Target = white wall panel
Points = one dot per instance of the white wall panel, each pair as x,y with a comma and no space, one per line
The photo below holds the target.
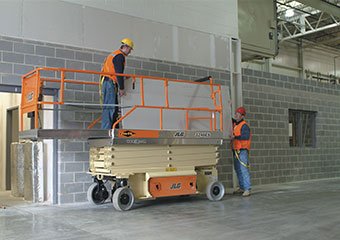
11,18
104,30
288,56
221,53
194,46
153,40
317,61
211,16
182,31
53,21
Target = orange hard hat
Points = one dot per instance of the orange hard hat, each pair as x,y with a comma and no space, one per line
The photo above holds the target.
241,110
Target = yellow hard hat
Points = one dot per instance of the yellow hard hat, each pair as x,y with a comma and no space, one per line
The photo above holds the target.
128,42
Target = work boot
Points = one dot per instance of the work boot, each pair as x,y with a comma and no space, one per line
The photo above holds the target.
246,193
238,191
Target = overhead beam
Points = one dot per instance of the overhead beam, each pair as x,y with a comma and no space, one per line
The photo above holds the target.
311,31
322,6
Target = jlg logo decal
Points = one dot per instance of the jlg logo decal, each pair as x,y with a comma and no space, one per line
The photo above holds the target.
175,186
179,134
128,133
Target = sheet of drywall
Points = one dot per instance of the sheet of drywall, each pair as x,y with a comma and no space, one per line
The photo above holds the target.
180,95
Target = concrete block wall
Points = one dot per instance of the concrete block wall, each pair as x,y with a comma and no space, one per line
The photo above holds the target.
268,97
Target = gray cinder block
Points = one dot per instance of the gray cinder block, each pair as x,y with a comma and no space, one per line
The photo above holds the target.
33,171
17,169
45,51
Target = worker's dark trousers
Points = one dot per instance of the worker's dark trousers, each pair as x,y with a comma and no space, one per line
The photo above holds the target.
109,94
241,165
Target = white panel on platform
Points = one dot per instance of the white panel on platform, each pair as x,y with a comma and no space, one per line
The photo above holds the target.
180,95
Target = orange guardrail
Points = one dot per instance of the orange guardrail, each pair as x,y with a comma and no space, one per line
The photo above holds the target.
33,83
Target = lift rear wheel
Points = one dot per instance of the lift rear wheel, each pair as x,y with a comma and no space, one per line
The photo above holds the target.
215,191
97,193
123,199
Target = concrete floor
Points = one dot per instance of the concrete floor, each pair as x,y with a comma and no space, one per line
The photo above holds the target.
294,211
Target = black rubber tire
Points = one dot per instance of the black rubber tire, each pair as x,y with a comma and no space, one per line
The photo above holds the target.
92,197
215,191
123,199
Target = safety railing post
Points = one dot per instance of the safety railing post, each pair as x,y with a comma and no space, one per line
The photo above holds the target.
211,88
36,118
142,90
161,119
186,120
21,107
36,99
221,107
62,87
166,92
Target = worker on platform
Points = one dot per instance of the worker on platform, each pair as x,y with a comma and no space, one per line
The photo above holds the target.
112,86
240,142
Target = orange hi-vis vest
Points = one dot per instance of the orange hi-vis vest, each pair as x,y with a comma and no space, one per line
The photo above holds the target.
108,65
237,143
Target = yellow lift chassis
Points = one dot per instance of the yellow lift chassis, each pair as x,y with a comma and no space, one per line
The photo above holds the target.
148,164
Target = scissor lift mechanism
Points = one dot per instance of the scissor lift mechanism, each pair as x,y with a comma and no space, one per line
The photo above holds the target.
138,164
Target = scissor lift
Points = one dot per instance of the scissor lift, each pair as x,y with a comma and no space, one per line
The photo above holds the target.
143,163
152,164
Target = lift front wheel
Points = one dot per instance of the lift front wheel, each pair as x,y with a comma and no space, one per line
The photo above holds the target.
215,191
123,199
97,193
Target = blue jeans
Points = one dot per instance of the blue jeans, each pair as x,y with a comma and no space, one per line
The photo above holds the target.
109,94
242,171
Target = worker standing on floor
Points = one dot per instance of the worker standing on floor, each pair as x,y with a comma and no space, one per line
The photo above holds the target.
111,85
240,142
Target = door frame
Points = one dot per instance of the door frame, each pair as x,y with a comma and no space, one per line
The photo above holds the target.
51,92
9,126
